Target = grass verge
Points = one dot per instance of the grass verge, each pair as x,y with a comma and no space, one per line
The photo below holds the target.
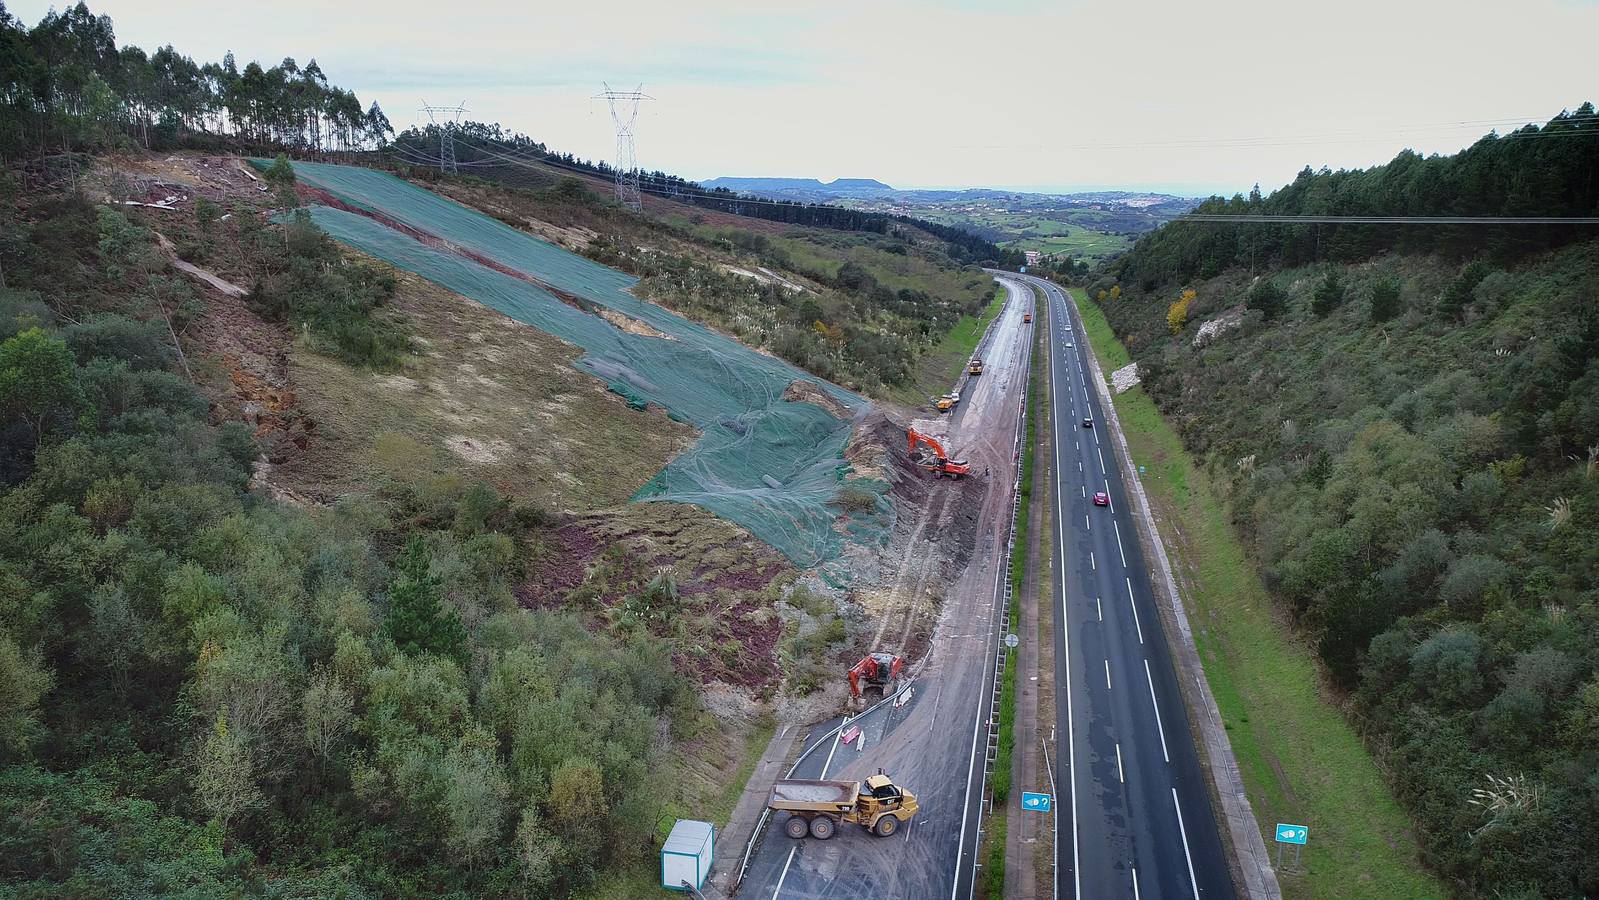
938,368
1301,760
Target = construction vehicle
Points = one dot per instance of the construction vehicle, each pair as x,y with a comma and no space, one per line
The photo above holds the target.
948,401
817,807
976,367
1027,318
930,455
875,670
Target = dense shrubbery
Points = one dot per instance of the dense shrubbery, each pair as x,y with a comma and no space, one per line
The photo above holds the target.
314,287
206,693
861,332
1412,449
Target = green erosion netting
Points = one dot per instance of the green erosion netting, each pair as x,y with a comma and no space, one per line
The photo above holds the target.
768,464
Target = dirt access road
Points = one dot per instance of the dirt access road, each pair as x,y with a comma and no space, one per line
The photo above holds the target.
935,744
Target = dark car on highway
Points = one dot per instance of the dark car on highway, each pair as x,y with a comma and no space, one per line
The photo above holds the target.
1088,423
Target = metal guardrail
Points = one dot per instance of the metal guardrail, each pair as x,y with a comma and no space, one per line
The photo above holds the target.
1000,661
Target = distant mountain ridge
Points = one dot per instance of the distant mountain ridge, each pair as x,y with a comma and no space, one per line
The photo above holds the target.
812,190
807,189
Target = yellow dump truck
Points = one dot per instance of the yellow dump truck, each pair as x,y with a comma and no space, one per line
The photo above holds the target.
948,401
816,807
976,367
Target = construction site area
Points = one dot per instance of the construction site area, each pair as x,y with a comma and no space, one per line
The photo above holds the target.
780,528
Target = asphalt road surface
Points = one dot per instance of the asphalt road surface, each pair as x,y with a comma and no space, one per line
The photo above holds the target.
1133,816
935,745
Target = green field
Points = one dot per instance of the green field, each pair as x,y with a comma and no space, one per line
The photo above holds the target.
1301,761
1035,231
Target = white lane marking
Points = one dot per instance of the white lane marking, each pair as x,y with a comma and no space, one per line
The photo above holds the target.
1084,489
1134,604
1119,542
1091,564
1086,525
1135,884
1101,454
1066,643
1079,466
1112,501
1120,774
1192,881
1158,727
1100,608
1107,674
834,748
781,878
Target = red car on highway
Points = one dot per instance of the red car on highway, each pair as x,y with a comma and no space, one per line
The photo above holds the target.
1101,498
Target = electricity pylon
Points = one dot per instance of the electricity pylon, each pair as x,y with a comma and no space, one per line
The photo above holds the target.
624,112
450,115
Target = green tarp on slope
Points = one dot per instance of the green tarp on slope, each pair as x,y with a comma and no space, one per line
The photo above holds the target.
751,436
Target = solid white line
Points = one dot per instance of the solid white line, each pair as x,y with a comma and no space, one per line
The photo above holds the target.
1134,604
1119,542
1107,674
839,734
784,876
1158,727
1112,507
1192,881
1135,884
1101,460
1121,775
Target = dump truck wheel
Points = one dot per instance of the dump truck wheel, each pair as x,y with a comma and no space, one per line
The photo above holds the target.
886,826
822,828
796,827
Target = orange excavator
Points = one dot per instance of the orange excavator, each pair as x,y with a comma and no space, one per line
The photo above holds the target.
933,458
875,670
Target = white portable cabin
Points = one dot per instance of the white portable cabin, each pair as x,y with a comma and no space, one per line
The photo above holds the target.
686,855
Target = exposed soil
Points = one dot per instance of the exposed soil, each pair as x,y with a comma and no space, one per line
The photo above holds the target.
725,626
933,538
803,391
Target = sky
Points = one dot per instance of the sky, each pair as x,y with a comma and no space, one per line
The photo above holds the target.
1190,98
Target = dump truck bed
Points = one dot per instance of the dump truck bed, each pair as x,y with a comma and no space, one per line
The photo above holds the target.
805,794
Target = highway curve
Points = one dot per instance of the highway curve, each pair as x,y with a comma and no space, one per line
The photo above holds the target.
1133,817
935,745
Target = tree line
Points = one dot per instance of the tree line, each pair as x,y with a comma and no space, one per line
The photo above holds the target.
66,86
490,151
1532,171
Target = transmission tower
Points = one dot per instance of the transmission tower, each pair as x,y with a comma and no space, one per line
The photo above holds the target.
624,112
445,118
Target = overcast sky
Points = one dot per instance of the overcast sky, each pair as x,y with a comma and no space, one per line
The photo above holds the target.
1185,96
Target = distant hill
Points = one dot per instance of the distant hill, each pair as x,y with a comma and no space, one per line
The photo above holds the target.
807,190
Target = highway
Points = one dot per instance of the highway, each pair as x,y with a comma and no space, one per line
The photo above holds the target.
1133,815
935,745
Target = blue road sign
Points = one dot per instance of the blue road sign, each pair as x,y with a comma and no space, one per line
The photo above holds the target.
1036,802
1292,834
